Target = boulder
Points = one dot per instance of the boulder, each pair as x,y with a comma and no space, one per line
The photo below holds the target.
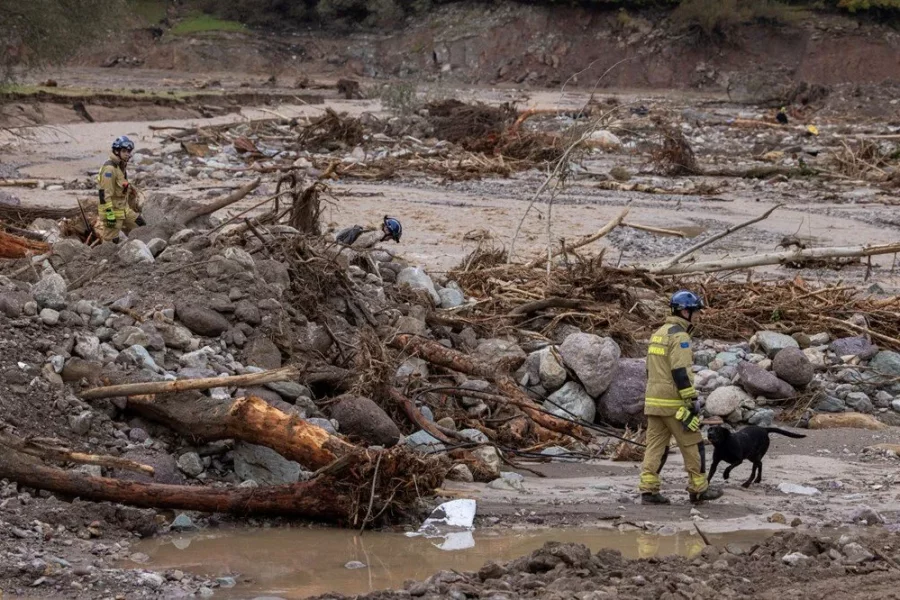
764,417
289,389
725,400
594,359
135,252
831,404
793,366
500,353
362,418
886,363
422,441
312,338
759,382
264,465
418,279
460,473
854,346
859,402
262,352
571,399
622,404
174,335
50,292
190,464
247,312
490,457
87,346
451,298
165,468
201,320
550,371
772,342
411,325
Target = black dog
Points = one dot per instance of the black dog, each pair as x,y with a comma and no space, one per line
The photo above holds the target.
750,443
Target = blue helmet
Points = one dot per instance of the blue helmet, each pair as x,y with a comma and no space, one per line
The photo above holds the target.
122,143
685,300
392,228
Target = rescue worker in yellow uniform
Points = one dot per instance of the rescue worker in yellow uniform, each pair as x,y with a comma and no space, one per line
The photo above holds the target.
117,210
669,404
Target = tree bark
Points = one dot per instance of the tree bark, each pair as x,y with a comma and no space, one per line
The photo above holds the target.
180,385
417,418
221,203
773,258
32,448
317,499
456,361
13,246
249,419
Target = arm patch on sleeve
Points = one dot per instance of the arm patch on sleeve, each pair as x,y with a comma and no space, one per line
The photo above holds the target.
685,344
108,174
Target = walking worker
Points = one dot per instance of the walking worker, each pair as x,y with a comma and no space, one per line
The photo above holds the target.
117,209
669,404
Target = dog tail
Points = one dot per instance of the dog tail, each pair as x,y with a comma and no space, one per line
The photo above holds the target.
789,434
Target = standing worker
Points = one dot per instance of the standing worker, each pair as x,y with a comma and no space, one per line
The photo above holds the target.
117,210
669,404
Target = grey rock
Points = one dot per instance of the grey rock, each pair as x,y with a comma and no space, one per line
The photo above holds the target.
198,359
490,457
500,353
867,515
165,467
622,404
451,298
571,399
49,316
508,481
201,320
226,582
819,339
290,390
772,342
312,338
323,424
883,399
136,434
247,312
361,417
704,357
561,454
50,292
460,473
12,304
77,369
155,340
70,249
139,357
859,402
174,335
275,273
794,558
30,308
854,346
855,554
886,363
831,404
156,246
417,279
595,360
130,336
727,358
81,423
182,523
759,382
264,465
426,412
190,464
261,352
134,252
551,372
896,405
355,564
151,580
793,366
422,441
411,325
176,254
474,435
725,400
763,417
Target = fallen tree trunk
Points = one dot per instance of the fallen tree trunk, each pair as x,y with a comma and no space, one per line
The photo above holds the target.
249,419
13,246
32,448
584,241
772,258
206,209
181,385
451,359
317,499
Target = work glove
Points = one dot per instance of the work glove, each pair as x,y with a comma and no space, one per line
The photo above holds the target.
140,221
110,216
688,418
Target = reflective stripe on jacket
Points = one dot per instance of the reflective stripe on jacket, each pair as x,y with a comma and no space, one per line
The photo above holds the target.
670,380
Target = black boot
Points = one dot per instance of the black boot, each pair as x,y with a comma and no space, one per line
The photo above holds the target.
654,498
709,494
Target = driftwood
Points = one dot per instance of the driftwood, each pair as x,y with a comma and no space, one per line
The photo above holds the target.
13,246
451,359
584,241
181,385
206,209
417,417
774,258
44,451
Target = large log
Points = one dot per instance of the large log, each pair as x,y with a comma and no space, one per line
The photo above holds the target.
206,209
249,419
318,498
13,246
451,359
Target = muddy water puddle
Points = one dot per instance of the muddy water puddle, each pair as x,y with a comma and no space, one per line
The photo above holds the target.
297,563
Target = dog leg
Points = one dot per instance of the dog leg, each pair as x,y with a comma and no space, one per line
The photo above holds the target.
712,469
727,472
747,483
759,472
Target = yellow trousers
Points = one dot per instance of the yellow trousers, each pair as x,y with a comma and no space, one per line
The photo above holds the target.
660,431
107,233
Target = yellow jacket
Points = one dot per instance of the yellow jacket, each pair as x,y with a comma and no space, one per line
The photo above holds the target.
670,380
116,193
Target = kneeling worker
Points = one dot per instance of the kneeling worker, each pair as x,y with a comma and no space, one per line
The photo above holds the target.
669,404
